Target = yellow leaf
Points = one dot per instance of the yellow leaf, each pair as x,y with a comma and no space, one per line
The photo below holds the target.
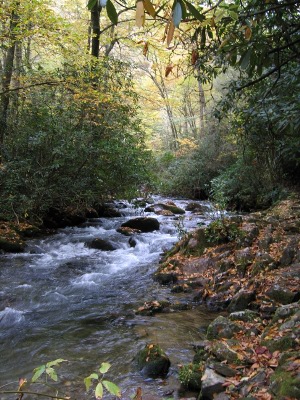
149,8
140,14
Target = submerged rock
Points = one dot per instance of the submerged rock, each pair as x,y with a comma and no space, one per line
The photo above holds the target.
101,244
153,362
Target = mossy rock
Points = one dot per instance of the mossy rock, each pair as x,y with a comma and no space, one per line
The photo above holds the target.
190,376
245,315
223,352
285,385
170,207
153,362
281,294
282,344
221,327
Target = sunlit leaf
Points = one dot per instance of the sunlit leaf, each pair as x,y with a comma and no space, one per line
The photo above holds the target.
233,15
149,8
104,368
55,362
112,388
177,14
140,14
111,12
99,391
38,372
88,380
52,373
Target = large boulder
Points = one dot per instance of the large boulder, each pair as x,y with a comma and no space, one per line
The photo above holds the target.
153,362
144,224
101,244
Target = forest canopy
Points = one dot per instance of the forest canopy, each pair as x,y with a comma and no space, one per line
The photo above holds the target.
89,91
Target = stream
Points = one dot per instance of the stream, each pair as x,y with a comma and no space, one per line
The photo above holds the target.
61,299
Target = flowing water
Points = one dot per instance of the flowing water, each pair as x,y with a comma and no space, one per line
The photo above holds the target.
61,299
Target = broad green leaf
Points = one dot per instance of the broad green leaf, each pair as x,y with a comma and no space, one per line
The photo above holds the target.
194,11
99,391
55,362
112,388
149,8
38,372
52,373
234,15
111,12
88,380
177,14
245,59
104,368
91,4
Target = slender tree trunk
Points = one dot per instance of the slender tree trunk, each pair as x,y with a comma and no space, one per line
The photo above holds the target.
202,105
164,94
95,22
7,78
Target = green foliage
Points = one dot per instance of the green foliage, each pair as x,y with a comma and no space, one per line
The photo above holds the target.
75,143
190,375
222,230
191,172
48,370
100,382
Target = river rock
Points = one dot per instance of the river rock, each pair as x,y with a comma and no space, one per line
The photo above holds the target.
212,383
101,244
153,362
144,224
220,328
128,231
246,316
281,294
241,300
171,207
132,242
197,208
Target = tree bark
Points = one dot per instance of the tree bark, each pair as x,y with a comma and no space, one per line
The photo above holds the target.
95,22
7,78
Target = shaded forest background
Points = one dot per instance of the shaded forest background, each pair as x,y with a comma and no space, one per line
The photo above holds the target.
182,98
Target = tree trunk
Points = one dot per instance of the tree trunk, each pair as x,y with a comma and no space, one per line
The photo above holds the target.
7,78
202,104
95,22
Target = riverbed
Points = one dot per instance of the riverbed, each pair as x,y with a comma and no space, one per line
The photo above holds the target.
62,299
